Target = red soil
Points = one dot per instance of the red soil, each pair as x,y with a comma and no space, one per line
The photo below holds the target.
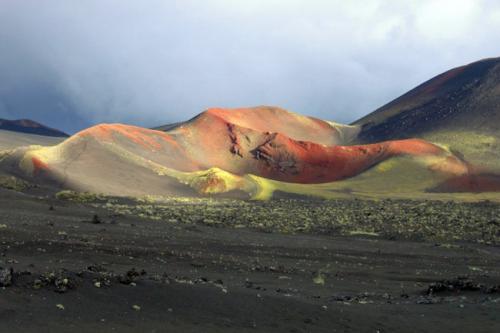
239,149
38,166
272,119
307,162
471,183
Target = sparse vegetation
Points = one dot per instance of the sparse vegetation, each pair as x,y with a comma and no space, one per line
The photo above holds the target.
436,221
79,196
476,147
14,183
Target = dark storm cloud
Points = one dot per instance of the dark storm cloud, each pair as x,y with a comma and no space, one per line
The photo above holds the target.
75,63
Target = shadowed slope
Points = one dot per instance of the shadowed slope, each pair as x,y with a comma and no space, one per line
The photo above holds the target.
464,98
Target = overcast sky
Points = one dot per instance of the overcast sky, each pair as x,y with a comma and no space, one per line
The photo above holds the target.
73,63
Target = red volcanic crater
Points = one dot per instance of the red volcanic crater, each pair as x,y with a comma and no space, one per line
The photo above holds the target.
307,162
265,141
277,144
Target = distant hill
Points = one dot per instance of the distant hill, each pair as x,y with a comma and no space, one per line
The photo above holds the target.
31,127
11,140
465,98
168,127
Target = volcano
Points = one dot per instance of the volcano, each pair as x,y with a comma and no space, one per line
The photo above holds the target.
220,150
440,137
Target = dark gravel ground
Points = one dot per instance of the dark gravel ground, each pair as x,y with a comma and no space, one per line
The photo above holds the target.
70,266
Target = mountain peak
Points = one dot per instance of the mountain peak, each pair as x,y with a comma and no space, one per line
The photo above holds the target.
465,97
31,127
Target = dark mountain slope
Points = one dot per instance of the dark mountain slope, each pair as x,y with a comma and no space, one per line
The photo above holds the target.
465,98
31,127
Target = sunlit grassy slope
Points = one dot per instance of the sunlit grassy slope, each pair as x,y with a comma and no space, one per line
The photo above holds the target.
479,148
401,177
396,178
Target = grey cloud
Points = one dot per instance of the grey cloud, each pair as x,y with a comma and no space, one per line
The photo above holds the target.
75,63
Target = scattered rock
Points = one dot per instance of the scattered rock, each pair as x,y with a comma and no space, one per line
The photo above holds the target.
6,277
96,268
60,282
459,284
96,219
427,300
38,284
319,279
131,276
